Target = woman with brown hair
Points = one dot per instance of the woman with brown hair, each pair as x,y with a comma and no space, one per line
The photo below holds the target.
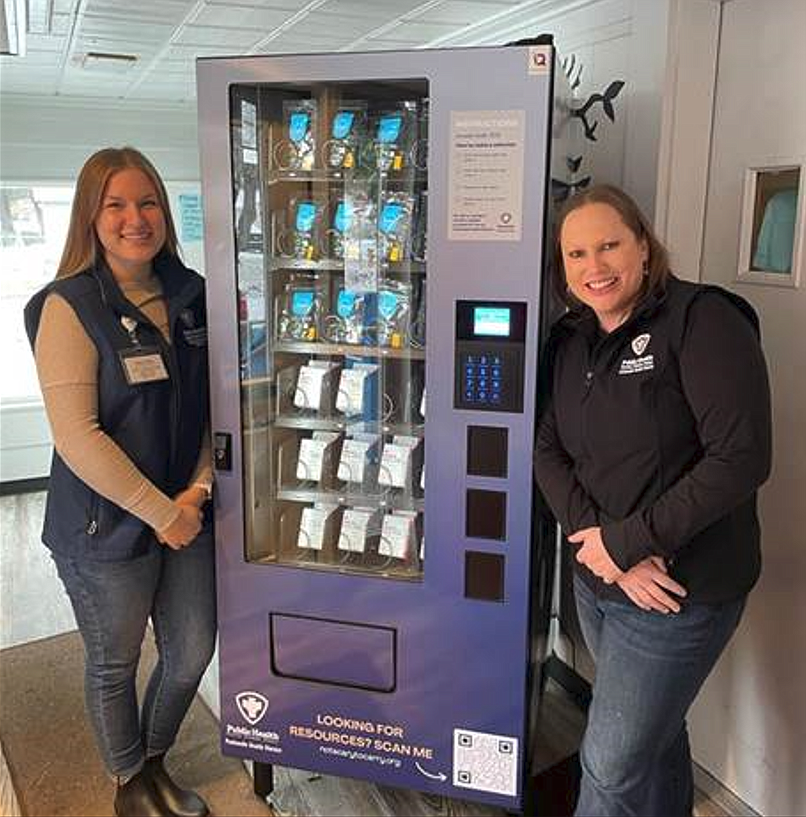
653,439
120,344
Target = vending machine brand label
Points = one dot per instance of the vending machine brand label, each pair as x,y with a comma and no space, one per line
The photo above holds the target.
252,706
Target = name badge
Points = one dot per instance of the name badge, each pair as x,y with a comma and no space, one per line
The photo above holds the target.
143,364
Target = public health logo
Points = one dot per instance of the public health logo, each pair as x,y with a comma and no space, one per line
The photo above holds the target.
252,706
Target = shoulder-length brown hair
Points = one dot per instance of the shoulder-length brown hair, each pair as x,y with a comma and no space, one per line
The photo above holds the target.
82,248
636,222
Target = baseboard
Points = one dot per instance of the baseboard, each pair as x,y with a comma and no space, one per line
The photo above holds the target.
23,486
721,796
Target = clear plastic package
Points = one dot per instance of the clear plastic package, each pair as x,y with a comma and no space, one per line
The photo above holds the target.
300,310
296,150
346,133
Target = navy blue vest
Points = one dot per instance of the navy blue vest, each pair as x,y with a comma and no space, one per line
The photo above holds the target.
158,425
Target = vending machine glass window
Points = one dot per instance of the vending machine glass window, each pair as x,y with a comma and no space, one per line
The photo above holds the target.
330,188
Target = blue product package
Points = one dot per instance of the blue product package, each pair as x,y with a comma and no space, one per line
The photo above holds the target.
387,303
342,124
389,128
343,217
302,302
298,125
345,303
391,214
306,213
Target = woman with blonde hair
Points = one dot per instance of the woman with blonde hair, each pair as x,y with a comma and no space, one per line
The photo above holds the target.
120,344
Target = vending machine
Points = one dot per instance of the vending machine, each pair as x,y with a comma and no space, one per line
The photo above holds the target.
375,233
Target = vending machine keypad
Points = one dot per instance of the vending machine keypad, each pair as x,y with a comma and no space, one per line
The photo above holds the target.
490,339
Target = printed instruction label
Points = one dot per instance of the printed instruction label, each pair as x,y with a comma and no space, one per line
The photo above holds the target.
485,762
486,175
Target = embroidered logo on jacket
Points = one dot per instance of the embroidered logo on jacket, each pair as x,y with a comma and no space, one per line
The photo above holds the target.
640,343
638,364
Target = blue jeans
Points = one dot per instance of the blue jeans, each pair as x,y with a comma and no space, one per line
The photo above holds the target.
635,753
112,602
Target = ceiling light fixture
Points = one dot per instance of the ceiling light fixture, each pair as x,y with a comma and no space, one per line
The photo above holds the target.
106,62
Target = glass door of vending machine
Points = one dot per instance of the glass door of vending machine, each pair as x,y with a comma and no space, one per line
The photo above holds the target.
374,243
330,201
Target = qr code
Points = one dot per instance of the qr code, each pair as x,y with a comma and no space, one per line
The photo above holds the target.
485,762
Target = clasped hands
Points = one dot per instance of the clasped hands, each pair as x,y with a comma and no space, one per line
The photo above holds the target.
185,528
645,584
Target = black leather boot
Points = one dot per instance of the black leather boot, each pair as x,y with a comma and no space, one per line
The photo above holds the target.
138,798
180,802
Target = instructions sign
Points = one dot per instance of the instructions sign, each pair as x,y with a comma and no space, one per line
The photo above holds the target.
486,175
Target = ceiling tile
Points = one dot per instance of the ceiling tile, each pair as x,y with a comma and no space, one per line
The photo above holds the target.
237,39
261,19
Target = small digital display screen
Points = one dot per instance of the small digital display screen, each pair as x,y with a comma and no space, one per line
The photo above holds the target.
492,321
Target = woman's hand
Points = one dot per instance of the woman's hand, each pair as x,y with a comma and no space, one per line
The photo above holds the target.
645,584
184,529
193,495
593,554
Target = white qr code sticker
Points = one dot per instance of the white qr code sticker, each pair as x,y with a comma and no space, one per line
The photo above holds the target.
485,762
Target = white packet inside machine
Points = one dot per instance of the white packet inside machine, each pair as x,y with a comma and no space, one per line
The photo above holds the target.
398,460
355,388
359,458
317,527
315,385
358,526
316,461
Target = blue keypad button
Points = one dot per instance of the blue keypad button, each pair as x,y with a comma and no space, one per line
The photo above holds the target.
470,370
482,382
484,371
482,396
496,371
496,385
469,393
496,398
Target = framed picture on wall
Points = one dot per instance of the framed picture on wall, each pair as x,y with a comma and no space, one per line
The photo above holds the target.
771,249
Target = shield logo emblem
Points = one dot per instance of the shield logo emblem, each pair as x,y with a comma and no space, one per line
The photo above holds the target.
252,706
640,343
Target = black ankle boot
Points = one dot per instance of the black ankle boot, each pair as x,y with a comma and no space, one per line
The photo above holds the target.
180,802
138,798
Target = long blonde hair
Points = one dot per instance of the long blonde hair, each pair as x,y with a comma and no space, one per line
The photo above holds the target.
82,248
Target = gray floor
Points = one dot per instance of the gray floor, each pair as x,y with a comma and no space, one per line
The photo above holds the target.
33,605
32,602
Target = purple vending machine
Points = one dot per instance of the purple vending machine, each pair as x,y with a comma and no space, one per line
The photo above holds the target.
375,253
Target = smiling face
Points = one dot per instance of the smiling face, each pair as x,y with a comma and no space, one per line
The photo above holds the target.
604,262
130,224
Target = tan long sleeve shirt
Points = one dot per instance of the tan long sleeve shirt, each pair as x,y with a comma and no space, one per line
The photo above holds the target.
67,365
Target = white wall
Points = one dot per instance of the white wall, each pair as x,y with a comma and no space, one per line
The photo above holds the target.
48,140
614,39
749,724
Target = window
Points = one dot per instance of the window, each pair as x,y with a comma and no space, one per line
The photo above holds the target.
34,227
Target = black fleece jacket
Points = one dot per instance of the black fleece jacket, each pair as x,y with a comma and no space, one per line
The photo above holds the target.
660,433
